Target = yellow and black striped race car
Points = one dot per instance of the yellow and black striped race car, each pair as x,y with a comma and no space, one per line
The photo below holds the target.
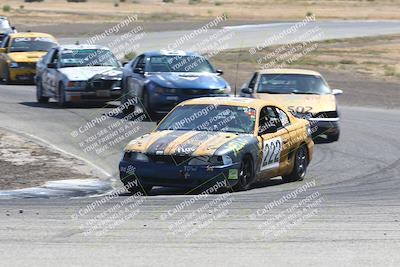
237,141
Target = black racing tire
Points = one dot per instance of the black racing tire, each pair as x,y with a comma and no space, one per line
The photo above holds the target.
300,165
246,174
146,105
62,103
333,137
130,108
39,93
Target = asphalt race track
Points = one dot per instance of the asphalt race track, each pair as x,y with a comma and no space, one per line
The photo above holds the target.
357,219
355,223
252,35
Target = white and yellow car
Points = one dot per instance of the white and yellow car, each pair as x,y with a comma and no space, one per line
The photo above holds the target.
305,93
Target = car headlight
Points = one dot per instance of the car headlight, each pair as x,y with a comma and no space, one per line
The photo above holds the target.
75,84
165,91
136,156
309,131
227,90
116,85
213,160
13,65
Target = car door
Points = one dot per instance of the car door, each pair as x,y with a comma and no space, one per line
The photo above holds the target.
275,142
296,131
135,80
41,67
50,75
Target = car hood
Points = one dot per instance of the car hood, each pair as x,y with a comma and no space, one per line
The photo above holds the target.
311,103
85,73
26,56
188,80
188,143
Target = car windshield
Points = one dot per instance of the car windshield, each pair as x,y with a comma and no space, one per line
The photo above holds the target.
30,44
292,84
4,25
87,57
216,118
178,64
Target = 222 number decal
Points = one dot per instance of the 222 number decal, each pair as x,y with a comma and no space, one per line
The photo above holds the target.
271,153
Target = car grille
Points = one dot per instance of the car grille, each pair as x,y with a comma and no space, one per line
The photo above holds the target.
104,84
169,159
27,65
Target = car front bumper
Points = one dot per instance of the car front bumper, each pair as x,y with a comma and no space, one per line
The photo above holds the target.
165,103
173,175
326,126
98,95
22,74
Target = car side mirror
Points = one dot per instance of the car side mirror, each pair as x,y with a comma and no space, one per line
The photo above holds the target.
247,90
2,50
138,71
337,91
52,65
219,72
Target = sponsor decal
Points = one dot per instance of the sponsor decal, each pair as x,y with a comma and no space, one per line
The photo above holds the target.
233,174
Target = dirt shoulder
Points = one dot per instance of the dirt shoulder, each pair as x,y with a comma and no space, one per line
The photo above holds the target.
60,12
24,163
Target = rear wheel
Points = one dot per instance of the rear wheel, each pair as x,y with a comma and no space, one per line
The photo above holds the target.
39,93
246,174
300,165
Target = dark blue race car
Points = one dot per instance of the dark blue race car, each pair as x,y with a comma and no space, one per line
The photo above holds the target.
158,81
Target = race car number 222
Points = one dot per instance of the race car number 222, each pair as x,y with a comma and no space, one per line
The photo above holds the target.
271,153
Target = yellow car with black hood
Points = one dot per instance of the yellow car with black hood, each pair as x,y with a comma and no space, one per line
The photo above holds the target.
233,140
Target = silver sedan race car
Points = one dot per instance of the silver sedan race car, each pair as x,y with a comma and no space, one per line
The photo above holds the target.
74,73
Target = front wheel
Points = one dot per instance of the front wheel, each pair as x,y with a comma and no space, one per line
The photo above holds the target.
246,174
6,76
300,165
39,93
61,97
146,108
128,109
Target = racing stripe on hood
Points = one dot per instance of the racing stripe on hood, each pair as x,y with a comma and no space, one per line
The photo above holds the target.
172,148
210,146
191,144
141,144
160,146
